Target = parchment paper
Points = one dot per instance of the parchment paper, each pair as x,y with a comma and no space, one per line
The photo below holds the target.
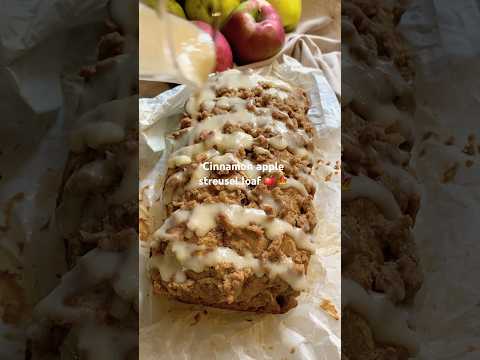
445,39
34,53
171,330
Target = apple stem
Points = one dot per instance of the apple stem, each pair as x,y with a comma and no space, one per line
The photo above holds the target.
216,15
257,15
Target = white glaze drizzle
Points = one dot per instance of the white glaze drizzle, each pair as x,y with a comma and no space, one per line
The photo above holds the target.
229,142
388,322
181,256
236,79
242,117
106,124
363,187
295,184
373,87
268,200
95,267
403,178
203,218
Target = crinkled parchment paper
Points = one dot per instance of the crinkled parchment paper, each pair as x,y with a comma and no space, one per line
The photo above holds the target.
34,53
172,330
446,41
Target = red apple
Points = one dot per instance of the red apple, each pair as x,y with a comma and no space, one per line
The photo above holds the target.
222,48
255,31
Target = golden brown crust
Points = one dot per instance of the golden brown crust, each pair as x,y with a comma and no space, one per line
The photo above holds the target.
224,287
379,254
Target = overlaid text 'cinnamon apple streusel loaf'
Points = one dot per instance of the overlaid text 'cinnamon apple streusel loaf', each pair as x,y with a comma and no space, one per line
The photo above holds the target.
238,198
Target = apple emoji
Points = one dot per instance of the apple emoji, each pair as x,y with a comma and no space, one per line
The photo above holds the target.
255,31
282,180
222,48
269,181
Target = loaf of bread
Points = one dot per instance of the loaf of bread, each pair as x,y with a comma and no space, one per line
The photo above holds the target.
238,198
380,197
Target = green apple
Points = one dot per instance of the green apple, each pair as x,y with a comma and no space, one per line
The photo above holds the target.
172,7
151,3
175,8
205,10
290,12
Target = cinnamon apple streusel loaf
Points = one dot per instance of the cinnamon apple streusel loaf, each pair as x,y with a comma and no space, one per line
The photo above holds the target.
238,198
381,271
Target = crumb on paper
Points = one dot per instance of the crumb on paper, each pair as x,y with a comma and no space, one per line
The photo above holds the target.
472,348
196,319
328,177
145,223
428,135
141,194
470,147
469,163
177,134
450,141
292,351
450,173
329,308
7,211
